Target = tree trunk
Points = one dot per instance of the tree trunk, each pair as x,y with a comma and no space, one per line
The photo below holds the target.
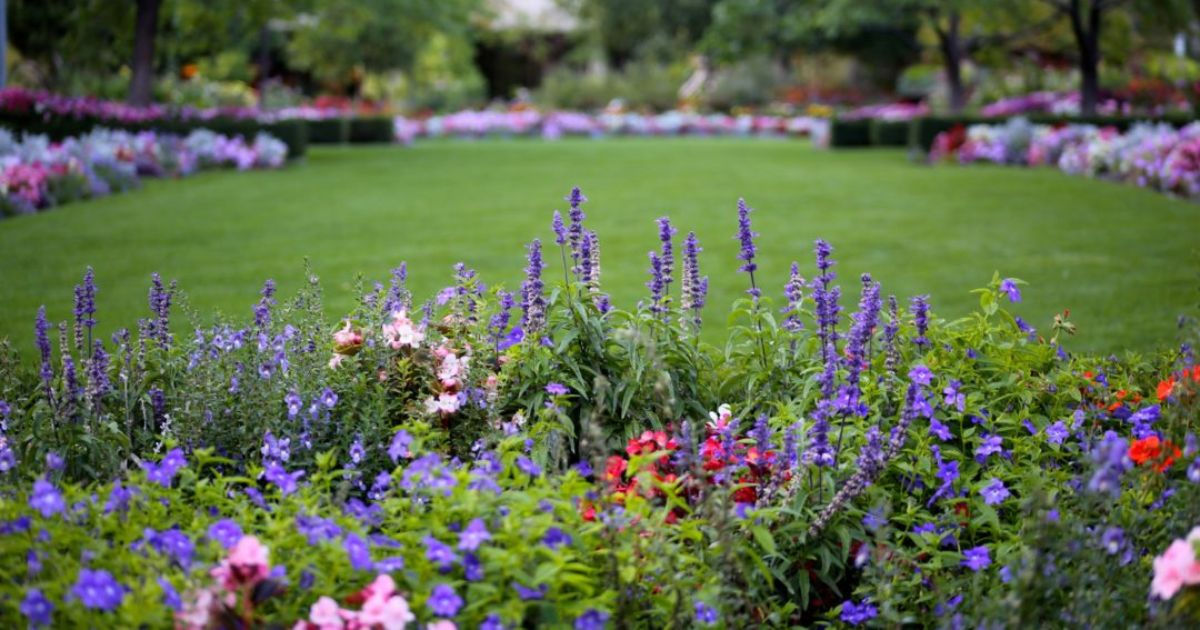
1087,39
952,56
145,29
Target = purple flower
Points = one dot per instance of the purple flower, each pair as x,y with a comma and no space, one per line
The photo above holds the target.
977,558
667,254
287,482
444,601
745,237
560,230
920,375
874,519
1193,471
439,553
530,594
170,598
1008,286
920,311
940,430
657,284
994,493
1112,540
39,610
706,615
694,290
858,614
41,328
575,232
555,538
557,389
226,532
329,398
317,529
46,499
475,534
955,398
528,467
1056,433
173,543
401,442
358,552
533,302
947,472
98,590
592,619
262,310
991,445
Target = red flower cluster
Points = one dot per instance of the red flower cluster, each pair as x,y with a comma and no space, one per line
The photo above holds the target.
1167,386
1154,452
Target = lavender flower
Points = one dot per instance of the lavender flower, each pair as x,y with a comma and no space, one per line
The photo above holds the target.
692,290
41,330
1009,287
890,351
1056,433
46,499
657,284
439,553
475,534
858,614
85,307
1112,540
287,482
533,303
706,615
358,552
990,445
667,254
941,431
793,291
560,230
98,383
401,443
499,321
160,306
575,232
591,619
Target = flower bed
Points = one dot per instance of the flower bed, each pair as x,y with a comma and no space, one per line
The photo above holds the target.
37,174
493,458
1160,156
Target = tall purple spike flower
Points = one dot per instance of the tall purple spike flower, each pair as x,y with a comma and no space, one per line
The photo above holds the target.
585,259
41,329
499,322
890,351
98,383
397,293
794,292
159,326
656,284
920,313
560,230
85,307
693,289
667,253
819,451
575,232
746,237
862,329
762,432
870,463
828,308
262,310
533,303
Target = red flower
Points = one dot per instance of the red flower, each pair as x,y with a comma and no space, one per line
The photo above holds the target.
1165,387
1151,449
615,469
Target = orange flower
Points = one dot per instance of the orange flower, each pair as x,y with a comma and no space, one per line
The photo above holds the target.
1150,449
1165,387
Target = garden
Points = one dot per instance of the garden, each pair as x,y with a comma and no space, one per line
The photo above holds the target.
387,314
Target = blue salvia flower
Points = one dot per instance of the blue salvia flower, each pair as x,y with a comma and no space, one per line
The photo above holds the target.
656,284
859,338
159,327
790,454
793,291
70,380
826,299
41,330
920,312
745,237
693,289
533,303
667,252
890,351
560,230
98,383
499,322
397,297
85,307
761,433
819,451
575,232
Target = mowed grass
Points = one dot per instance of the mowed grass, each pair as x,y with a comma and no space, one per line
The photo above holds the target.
1123,260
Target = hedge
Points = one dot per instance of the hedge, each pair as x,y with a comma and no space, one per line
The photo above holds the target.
293,133
850,133
889,133
372,129
329,131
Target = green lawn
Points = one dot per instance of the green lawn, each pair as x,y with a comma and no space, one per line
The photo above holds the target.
1123,260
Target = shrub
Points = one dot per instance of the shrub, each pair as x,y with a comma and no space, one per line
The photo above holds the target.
372,129
885,133
849,133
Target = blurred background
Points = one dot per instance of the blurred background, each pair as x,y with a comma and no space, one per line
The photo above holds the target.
781,56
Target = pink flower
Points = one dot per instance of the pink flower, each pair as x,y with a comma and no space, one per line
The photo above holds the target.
442,624
401,332
326,614
391,613
383,587
452,369
336,360
1175,568
446,403
347,340
200,606
247,564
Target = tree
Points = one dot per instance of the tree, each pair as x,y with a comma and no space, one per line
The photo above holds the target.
1087,18
145,30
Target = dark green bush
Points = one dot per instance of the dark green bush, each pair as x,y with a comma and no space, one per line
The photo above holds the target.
372,129
850,133
889,133
329,131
